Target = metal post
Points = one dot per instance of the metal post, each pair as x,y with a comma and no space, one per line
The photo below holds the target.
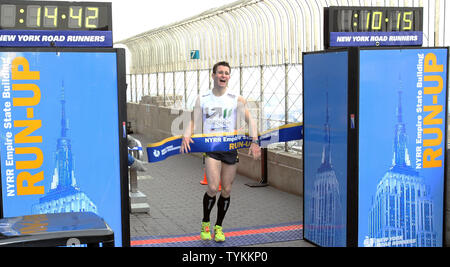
241,79
185,91
164,87
135,85
210,80
157,84
133,181
263,181
198,82
174,91
286,99
138,200
148,84
131,87
143,86
261,98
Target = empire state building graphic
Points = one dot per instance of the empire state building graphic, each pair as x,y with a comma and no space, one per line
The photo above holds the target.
64,194
326,212
401,214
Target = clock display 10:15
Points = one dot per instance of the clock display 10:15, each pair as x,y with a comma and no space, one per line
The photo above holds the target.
350,20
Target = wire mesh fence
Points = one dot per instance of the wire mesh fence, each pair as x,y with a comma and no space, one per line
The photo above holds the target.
273,93
263,40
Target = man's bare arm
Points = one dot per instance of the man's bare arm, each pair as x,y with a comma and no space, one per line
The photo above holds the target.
254,148
191,127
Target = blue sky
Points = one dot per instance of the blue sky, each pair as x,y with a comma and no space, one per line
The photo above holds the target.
132,17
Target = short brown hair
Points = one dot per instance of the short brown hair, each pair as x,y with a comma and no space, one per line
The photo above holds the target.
221,63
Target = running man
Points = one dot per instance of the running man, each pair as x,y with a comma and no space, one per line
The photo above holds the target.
218,111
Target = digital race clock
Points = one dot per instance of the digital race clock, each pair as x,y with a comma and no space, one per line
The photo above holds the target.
55,23
373,26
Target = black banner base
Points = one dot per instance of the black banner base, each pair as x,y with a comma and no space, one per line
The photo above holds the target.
258,184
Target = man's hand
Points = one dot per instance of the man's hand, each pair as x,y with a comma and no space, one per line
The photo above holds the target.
255,151
185,144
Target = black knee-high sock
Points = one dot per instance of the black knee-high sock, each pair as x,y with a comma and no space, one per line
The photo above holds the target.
222,207
208,204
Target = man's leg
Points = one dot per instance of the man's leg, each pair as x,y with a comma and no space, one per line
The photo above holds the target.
212,167
228,173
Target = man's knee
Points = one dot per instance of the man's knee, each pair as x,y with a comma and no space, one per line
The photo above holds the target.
212,190
213,186
226,190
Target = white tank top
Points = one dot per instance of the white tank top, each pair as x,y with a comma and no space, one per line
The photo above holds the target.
219,112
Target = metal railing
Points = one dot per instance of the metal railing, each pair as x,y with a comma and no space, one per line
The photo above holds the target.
274,93
262,40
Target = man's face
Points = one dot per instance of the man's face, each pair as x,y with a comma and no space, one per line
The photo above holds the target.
221,77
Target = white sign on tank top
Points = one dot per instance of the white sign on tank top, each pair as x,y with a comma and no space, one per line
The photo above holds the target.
219,112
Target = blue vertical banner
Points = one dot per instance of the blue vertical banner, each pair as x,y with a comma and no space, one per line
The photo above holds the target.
402,145
59,134
325,147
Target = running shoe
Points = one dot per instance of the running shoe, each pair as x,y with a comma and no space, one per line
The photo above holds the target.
205,234
219,236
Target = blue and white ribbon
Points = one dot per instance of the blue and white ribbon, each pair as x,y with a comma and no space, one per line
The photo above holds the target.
222,141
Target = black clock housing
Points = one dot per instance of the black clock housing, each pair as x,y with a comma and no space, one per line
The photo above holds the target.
55,15
366,26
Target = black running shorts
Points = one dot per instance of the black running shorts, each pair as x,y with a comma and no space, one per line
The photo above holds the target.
228,157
